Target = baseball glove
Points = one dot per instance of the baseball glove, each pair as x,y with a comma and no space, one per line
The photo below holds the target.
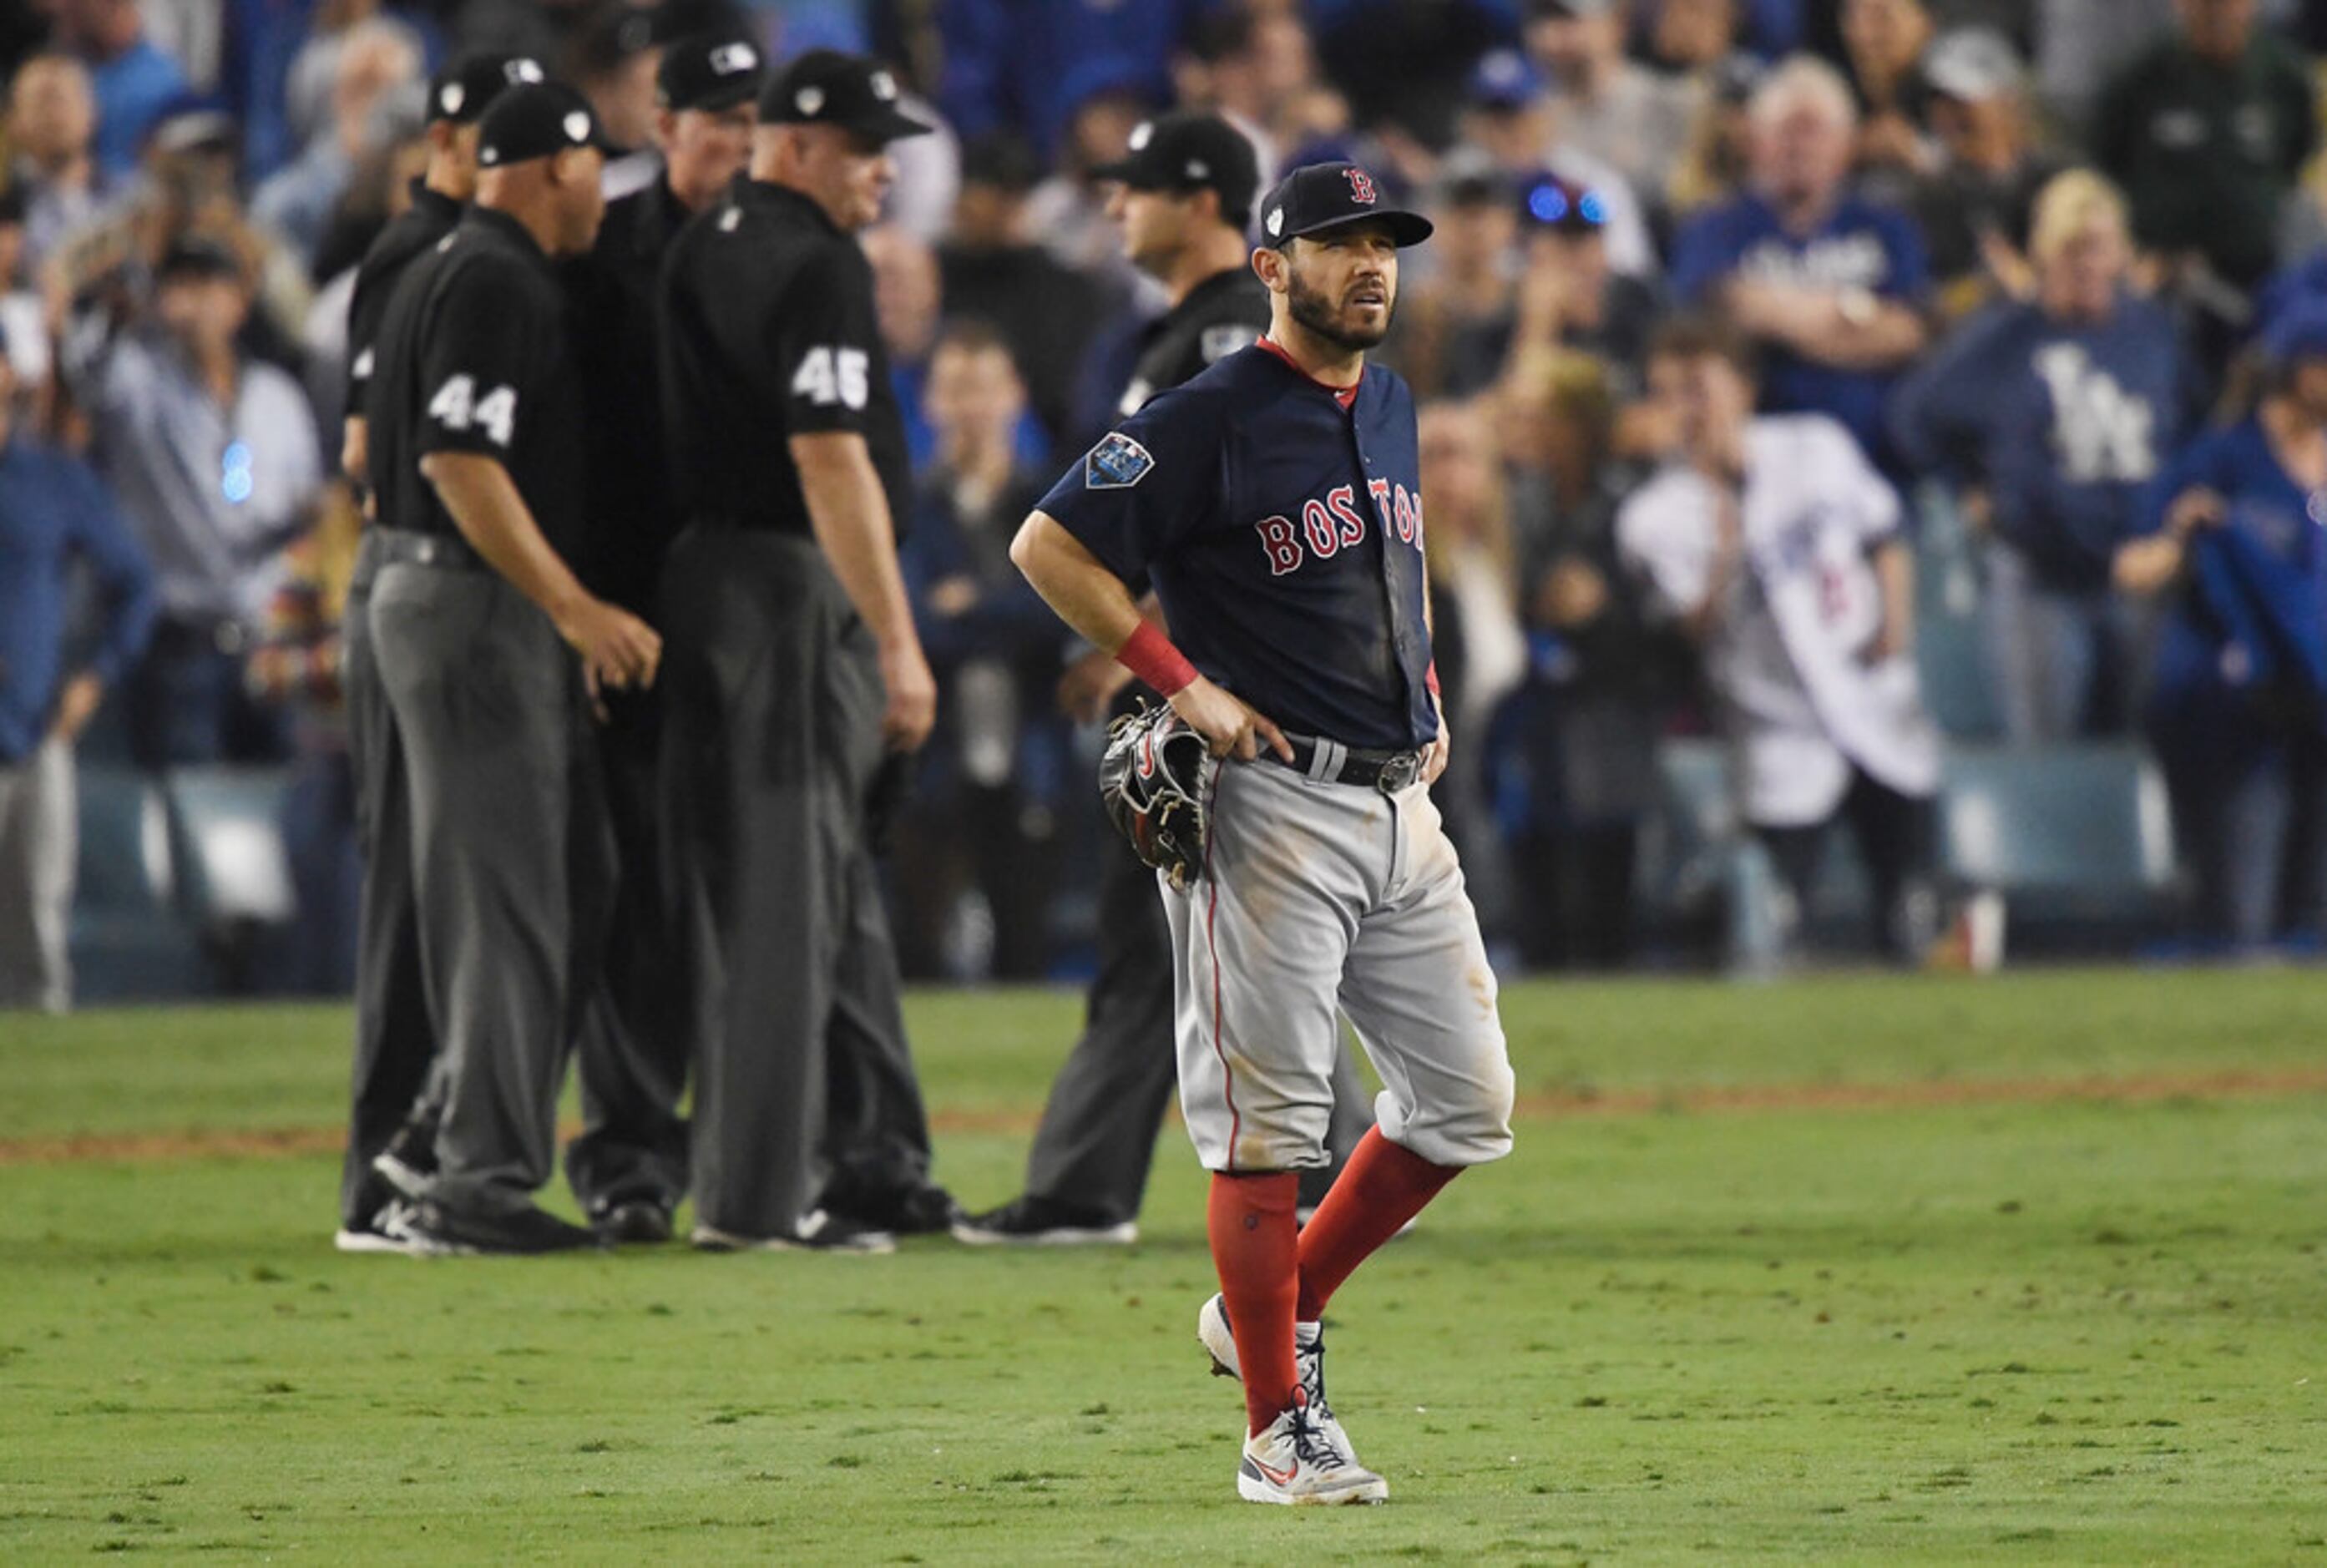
1156,777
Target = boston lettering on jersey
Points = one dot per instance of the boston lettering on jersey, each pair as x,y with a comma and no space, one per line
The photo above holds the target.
1282,533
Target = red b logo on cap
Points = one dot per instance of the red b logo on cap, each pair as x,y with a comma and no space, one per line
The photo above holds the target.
1361,186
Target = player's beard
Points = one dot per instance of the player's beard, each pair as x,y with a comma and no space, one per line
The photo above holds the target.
1320,316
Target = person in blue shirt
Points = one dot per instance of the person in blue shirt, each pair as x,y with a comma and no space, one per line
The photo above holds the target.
2050,417
52,512
1827,283
2238,700
1024,64
133,80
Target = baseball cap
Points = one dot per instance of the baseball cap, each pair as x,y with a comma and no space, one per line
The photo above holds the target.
195,255
1469,177
1504,79
537,119
1327,195
827,88
1191,151
467,86
1974,64
710,72
1548,201
2299,332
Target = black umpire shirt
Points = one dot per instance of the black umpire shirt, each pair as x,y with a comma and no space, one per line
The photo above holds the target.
1221,314
429,219
611,296
768,332
473,357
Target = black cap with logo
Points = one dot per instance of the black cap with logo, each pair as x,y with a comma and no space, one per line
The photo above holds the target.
1328,195
1191,151
710,72
827,88
465,89
537,120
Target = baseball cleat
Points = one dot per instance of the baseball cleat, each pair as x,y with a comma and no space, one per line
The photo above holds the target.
817,1232
1295,1461
1032,1221
1308,1365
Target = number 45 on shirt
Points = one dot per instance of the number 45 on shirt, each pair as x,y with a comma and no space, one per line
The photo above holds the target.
457,406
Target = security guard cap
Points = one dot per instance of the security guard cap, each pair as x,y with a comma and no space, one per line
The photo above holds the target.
827,88
466,87
1191,151
709,71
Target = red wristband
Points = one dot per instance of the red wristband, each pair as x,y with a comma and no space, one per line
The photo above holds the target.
1430,677
1148,654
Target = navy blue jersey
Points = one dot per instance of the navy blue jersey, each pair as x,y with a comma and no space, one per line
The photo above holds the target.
1282,534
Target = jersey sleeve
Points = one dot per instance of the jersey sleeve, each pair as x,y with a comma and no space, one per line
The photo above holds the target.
1149,483
1852,482
480,367
1663,549
822,339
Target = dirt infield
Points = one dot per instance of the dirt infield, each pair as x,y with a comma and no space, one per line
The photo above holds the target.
154,1148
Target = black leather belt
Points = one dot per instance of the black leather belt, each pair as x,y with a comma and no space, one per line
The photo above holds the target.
407,547
1332,762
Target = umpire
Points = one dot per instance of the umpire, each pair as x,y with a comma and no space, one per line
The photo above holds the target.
628,1167
795,682
396,1046
1182,201
476,423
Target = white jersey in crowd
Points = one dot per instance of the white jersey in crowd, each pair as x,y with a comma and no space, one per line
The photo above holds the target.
1788,659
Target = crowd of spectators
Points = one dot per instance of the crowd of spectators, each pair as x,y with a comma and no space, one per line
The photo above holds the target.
2059,267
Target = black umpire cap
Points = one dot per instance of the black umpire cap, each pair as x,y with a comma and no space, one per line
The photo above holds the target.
466,87
1191,151
709,71
827,88
1328,195
537,120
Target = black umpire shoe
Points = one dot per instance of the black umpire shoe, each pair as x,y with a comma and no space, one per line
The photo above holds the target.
927,1210
408,1163
1032,1221
523,1232
820,1232
632,1222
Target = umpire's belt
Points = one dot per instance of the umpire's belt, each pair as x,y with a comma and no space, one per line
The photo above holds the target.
1332,762
409,547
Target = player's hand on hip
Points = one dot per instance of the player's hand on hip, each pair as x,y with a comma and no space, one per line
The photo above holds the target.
1441,750
617,649
912,706
1228,723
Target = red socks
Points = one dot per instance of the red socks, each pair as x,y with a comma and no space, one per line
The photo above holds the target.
1255,1246
1381,1188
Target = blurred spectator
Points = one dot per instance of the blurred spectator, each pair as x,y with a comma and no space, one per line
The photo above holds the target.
132,80
1026,64
1883,42
1569,297
910,300
311,88
1712,168
52,140
1687,37
2050,416
1610,108
215,458
2238,704
1252,65
2081,44
986,815
53,512
1069,209
2207,131
296,666
1575,765
991,270
1974,204
1829,283
1512,117
612,62
1776,548
375,70
24,314
1454,323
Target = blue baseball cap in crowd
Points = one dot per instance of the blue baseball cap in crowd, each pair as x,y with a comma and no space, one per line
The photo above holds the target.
1505,80
2298,332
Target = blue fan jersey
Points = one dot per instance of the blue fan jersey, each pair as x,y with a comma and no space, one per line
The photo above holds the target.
1282,534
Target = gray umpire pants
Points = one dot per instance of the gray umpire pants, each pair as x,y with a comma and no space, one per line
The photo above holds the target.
772,701
509,855
1097,1139
40,845
396,1043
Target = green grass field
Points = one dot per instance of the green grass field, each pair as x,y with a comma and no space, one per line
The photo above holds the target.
1827,1273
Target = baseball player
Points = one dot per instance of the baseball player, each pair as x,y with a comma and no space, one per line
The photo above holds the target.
1775,546
478,615
1183,203
1275,503
396,1045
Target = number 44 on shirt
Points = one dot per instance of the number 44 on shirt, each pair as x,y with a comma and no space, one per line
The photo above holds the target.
457,406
